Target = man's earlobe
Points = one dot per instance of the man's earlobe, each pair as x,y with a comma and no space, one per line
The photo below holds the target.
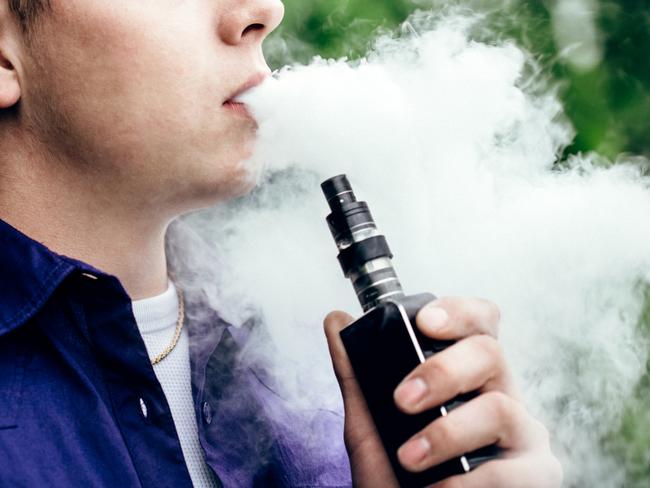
9,84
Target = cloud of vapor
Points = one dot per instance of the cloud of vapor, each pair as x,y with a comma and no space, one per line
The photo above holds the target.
453,143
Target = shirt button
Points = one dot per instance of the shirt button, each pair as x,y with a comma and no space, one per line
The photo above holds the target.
143,408
207,413
89,276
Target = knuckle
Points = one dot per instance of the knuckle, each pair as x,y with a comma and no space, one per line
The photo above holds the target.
532,432
437,369
541,433
501,405
443,433
515,423
490,346
491,317
494,312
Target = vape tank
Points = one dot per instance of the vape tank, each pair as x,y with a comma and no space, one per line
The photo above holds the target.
384,345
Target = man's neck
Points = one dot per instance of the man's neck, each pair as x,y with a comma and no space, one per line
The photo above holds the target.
81,220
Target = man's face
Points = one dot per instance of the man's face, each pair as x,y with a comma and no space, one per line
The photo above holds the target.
134,92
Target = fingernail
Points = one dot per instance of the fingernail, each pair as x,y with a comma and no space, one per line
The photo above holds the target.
433,318
410,393
414,451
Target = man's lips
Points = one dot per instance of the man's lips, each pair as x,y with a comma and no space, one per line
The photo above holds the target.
252,82
238,108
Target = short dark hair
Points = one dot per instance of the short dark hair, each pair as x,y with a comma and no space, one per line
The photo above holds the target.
28,10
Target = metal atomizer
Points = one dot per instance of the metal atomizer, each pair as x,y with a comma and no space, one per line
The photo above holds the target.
384,345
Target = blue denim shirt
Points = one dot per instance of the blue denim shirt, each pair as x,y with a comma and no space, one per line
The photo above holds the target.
74,373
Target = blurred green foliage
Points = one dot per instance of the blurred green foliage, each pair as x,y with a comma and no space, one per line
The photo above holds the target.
607,101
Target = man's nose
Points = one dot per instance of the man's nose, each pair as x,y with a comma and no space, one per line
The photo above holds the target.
250,21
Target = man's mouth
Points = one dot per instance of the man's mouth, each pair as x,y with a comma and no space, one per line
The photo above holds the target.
234,105
238,108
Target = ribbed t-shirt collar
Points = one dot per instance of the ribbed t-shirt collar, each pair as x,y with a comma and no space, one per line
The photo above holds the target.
157,313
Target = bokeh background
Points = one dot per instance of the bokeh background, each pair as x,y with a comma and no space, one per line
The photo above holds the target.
598,49
597,53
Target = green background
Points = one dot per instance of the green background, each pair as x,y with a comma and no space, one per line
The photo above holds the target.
608,103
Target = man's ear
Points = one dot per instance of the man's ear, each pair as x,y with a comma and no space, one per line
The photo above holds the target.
10,91
9,84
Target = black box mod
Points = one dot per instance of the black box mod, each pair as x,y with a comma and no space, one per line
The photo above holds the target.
384,345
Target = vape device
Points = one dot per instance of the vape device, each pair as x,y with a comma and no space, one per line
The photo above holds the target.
384,345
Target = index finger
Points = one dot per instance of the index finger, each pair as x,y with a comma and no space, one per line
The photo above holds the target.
452,318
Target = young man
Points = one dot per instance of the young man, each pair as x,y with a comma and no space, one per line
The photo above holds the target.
116,117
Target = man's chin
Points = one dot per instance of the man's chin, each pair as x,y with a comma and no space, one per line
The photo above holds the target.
245,187
234,186
253,170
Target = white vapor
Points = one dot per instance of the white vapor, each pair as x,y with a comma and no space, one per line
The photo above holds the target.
452,143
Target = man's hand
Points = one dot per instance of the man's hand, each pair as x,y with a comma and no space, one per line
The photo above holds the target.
496,416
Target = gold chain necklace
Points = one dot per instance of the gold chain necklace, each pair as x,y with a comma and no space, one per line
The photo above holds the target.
177,334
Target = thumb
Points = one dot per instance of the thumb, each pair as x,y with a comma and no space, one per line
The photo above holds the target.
371,462
352,396
334,323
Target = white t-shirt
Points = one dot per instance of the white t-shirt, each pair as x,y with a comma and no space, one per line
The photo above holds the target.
157,318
